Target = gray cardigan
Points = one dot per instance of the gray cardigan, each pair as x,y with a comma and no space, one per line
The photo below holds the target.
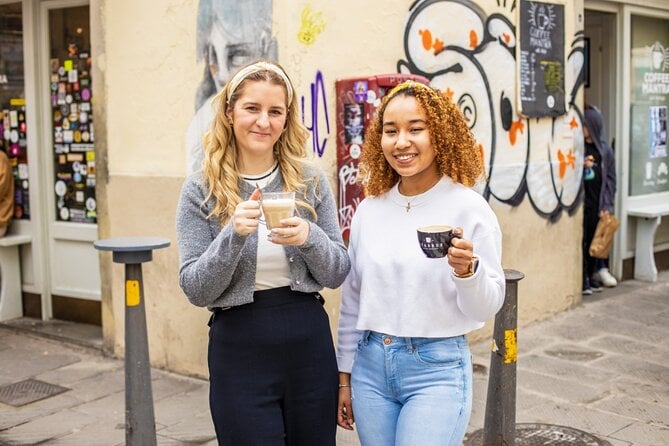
218,266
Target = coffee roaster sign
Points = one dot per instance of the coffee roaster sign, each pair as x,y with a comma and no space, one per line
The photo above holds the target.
541,59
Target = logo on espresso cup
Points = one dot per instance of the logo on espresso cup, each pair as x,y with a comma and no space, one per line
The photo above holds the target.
435,240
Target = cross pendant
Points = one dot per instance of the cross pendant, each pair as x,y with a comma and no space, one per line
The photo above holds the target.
408,206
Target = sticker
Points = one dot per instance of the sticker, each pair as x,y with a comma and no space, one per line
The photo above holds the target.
57,116
86,94
72,157
85,136
64,213
68,136
13,118
68,99
54,85
72,76
550,101
91,204
55,63
77,136
355,151
61,71
62,159
79,195
65,124
83,117
85,106
360,91
132,293
77,178
60,188
24,184
67,65
510,346
14,136
23,171
353,128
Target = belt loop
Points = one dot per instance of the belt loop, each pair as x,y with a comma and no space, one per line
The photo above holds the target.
409,344
365,337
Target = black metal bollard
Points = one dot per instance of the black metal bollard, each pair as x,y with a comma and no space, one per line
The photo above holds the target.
140,424
500,411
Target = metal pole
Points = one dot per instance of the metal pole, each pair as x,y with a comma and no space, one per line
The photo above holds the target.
140,428
500,411
140,424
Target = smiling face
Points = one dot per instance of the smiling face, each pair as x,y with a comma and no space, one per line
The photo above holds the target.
258,118
407,145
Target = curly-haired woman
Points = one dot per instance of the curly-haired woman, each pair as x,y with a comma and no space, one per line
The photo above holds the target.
272,366
405,368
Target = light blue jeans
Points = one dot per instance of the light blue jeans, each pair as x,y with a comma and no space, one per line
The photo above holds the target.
411,391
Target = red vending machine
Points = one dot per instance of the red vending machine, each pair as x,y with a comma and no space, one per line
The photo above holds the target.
357,101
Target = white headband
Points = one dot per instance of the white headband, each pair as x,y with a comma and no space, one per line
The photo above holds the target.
259,66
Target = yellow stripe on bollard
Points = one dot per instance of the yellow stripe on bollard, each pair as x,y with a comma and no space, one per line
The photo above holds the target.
132,293
510,347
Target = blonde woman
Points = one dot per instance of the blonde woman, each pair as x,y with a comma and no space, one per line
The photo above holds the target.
405,366
273,372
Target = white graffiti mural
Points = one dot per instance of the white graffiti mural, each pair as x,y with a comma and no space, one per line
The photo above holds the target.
230,34
472,59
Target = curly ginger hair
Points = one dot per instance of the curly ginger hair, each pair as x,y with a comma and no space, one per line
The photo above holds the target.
457,153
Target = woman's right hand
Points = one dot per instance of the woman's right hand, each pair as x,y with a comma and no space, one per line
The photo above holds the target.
245,218
344,407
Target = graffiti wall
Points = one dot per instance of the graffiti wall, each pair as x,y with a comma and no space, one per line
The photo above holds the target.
474,62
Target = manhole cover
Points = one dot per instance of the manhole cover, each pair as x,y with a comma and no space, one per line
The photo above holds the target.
534,434
28,391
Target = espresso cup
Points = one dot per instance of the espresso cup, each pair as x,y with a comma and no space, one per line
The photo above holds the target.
435,240
277,206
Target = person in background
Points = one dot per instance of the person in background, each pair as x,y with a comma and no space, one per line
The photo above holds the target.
599,183
6,193
405,370
272,364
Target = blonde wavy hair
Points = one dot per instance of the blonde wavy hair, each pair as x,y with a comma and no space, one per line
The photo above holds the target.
457,153
219,167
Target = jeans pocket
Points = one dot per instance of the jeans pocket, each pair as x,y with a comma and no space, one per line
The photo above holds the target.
439,354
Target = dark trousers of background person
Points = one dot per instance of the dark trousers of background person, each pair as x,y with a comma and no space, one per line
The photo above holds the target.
273,372
590,220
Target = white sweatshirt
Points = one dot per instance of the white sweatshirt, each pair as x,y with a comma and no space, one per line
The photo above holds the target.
393,288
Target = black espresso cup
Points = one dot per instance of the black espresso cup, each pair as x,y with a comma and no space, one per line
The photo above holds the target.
435,240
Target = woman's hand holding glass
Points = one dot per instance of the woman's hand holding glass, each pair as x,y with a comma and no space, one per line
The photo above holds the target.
245,218
294,231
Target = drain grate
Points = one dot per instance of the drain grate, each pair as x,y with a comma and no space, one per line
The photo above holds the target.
28,391
535,434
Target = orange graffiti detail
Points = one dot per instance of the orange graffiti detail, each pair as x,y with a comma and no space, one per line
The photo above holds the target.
449,93
573,124
506,37
516,126
429,44
438,46
427,38
568,160
473,39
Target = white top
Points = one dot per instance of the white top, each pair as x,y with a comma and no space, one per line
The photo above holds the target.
393,288
272,269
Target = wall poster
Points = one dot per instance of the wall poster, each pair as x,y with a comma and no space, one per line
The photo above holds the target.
541,67
649,160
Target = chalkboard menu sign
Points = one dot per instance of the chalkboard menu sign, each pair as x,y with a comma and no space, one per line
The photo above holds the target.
541,61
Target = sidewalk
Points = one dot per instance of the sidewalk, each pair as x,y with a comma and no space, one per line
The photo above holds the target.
601,368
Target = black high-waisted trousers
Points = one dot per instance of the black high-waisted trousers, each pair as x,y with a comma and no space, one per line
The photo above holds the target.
273,372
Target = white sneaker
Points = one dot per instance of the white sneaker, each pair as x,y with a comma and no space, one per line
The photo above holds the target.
605,277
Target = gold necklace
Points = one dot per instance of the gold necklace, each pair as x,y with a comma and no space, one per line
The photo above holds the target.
408,205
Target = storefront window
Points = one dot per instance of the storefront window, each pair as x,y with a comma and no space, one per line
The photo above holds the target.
13,125
649,161
72,115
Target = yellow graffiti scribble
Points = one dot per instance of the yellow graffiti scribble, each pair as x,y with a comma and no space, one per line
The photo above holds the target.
312,25
510,347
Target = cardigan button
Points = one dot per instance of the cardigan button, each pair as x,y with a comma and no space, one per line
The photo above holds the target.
290,259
